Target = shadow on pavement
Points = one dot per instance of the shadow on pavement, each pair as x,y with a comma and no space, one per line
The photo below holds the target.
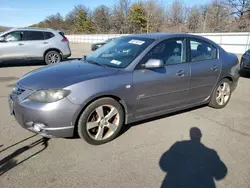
23,63
128,126
191,164
10,162
17,143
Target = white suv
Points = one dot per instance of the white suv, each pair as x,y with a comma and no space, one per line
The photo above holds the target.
33,43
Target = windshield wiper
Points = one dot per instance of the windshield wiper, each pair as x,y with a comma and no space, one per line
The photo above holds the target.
96,63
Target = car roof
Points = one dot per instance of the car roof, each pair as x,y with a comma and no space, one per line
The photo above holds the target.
35,29
162,36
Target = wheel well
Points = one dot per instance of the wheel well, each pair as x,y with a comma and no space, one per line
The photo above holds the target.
100,97
52,49
229,78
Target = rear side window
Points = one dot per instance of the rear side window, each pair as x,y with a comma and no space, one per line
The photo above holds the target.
34,35
201,51
61,33
48,35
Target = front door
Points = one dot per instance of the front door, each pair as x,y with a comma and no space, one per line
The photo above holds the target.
205,69
13,47
162,88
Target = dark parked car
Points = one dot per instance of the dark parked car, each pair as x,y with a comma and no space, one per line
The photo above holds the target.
95,46
245,61
129,79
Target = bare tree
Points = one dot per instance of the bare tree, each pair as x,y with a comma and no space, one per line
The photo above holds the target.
120,16
151,16
217,17
193,19
154,15
238,7
54,21
101,19
176,15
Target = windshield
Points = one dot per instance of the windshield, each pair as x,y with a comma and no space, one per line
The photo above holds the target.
5,31
119,53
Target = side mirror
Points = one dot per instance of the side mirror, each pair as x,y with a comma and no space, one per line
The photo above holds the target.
154,63
2,39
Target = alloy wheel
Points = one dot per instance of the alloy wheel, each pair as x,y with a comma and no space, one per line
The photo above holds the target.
223,93
103,122
53,58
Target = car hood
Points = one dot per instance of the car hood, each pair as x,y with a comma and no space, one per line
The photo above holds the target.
63,74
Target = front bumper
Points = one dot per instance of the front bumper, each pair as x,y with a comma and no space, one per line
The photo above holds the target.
53,119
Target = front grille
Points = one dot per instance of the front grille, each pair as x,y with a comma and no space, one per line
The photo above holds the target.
17,90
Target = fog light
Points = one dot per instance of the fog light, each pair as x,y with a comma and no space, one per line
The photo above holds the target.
38,126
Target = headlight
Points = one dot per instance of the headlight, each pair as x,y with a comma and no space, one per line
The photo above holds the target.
48,96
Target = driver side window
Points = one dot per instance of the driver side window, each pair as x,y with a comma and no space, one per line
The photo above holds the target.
170,51
14,36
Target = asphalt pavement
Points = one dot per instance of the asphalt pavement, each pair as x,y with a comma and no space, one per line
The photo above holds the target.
144,155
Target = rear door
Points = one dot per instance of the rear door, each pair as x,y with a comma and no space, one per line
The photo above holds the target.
205,69
13,47
35,44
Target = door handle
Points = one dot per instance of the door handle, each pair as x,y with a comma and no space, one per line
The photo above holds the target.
21,44
45,43
214,68
180,73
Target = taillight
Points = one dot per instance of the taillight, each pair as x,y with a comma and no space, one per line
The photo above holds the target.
65,40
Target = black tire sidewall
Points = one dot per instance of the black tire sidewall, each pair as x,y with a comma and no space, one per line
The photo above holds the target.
82,131
213,103
47,54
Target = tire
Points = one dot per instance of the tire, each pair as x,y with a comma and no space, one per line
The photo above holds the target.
52,57
218,104
90,116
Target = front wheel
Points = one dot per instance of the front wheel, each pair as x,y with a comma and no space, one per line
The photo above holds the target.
101,121
221,95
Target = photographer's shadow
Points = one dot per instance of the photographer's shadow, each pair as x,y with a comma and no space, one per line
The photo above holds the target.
190,164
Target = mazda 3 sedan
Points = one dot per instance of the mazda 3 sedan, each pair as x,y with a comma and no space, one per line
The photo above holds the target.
129,79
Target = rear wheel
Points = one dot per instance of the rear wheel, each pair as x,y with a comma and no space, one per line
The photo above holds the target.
52,57
101,121
221,95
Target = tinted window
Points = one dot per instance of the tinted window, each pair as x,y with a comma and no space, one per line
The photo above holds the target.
121,52
48,35
171,51
34,35
201,51
14,36
61,33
